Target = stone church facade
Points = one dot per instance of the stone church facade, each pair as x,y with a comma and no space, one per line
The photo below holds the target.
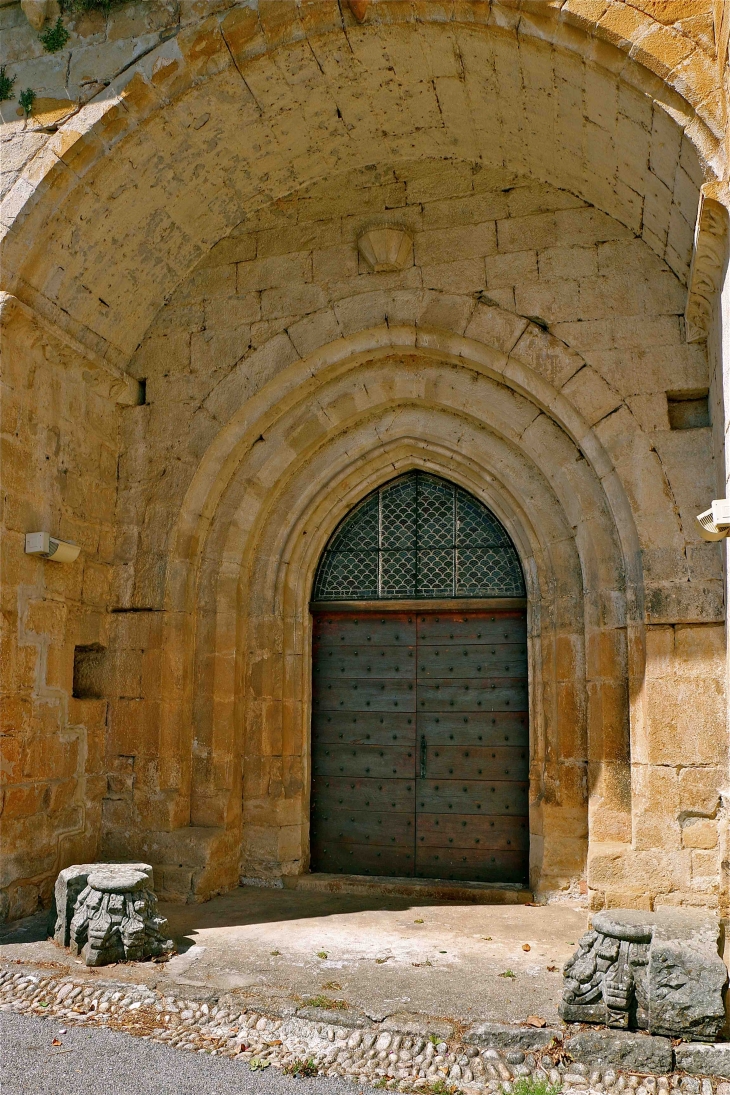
211,360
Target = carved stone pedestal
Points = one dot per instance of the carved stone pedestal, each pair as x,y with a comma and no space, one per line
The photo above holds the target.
108,913
658,971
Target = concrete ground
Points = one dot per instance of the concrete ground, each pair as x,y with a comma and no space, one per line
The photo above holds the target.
376,954
104,1060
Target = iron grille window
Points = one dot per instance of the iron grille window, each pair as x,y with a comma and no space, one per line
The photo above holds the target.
419,537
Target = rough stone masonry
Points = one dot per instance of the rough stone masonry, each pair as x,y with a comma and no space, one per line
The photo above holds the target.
205,373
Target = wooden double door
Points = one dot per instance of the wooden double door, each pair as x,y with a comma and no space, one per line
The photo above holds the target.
420,744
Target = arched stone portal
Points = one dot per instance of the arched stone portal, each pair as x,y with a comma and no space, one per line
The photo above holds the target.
191,235
265,501
420,721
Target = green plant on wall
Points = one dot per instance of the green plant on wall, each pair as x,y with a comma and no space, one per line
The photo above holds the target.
26,100
54,38
6,85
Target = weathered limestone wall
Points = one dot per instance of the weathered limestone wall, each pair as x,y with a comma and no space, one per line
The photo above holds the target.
547,159
59,474
290,280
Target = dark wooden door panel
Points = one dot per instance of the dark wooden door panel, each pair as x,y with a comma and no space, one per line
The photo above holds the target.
365,629
497,694
372,695
365,661
463,796
474,866
444,830
475,728
470,762
475,660
381,762
332,792
506,627
364,859
399,694
363,728
344,826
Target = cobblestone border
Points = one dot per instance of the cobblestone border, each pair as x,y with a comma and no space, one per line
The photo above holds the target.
368,1055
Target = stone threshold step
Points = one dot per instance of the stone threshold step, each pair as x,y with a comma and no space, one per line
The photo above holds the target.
472,893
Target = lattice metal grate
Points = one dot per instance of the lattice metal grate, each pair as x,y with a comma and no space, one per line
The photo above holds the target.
419,537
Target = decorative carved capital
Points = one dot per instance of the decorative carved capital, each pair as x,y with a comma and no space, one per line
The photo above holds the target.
115,916
386,248
657,971
708,264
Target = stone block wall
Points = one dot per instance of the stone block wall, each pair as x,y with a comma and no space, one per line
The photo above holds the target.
59,474
182,208
289,280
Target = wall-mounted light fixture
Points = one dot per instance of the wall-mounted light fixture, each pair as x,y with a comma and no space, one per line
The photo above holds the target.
50,547
714,523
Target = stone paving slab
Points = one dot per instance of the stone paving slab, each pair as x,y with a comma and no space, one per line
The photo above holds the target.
384,990
387,955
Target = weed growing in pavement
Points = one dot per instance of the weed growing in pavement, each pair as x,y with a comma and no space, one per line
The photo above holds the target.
440,1087
257,1065
298,1068
508,973
327,1002
528,1085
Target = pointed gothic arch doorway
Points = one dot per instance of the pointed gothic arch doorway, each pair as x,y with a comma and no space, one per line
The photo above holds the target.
420,731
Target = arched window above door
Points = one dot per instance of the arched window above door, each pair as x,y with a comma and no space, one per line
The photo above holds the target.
419,537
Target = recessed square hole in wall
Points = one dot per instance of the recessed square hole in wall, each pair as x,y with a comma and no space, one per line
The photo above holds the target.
89,672
688,410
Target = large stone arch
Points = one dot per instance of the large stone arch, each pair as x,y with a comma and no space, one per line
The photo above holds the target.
129,162
650,138
247,541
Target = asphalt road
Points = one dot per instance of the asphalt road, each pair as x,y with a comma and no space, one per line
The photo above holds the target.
104,1061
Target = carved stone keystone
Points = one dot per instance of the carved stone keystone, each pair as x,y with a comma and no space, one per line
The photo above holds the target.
386,249
108,913
657,971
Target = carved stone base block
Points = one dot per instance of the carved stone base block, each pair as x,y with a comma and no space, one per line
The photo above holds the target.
108,913
658,971
69,884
